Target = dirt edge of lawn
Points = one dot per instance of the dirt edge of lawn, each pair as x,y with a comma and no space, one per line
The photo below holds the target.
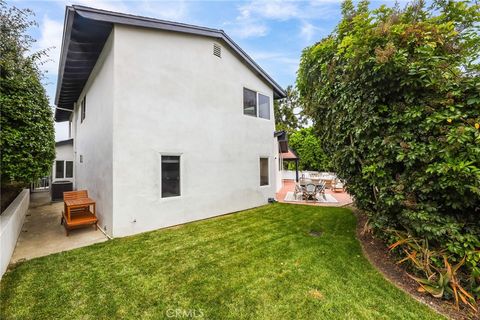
377,253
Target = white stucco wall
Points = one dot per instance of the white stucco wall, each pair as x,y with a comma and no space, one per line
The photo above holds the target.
63,153
173,96
11,222
93,137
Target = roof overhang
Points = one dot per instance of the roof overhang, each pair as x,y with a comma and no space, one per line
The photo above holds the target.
290,155
85,32
282,141
64,142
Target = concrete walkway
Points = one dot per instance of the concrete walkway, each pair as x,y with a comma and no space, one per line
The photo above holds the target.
42,234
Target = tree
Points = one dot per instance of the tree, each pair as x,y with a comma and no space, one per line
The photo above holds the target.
27,141
395,99
288,112
307,146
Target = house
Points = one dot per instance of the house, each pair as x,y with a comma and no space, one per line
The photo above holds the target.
64,158
170,122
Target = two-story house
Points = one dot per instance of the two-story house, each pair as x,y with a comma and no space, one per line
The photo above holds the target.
170,122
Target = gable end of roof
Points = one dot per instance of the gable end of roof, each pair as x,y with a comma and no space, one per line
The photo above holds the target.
86,31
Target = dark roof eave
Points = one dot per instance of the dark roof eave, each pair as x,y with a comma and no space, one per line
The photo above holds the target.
64,142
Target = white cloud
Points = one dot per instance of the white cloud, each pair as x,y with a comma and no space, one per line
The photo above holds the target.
118,6
276,60
254,16
275,10
308,31
51,32
167,10
249,30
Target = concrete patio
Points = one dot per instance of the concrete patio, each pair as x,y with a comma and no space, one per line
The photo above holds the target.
42,234
288,185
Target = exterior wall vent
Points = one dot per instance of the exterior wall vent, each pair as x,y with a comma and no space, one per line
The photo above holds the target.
217,50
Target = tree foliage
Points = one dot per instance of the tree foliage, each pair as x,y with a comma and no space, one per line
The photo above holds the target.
307,146
289,112
27,139
395,98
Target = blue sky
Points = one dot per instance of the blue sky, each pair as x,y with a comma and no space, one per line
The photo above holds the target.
273,33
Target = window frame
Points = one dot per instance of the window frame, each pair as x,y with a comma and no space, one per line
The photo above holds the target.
83,109
63,169
65,166
181,170
257,104
260,171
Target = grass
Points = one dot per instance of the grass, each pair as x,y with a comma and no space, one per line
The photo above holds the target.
255,264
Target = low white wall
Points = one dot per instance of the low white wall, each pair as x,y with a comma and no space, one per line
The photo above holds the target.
289,174
11,222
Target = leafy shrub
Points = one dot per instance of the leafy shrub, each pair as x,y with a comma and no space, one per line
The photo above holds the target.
27,141
395,98
288,112
307,146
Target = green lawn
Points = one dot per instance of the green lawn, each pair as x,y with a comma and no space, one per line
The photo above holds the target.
255,264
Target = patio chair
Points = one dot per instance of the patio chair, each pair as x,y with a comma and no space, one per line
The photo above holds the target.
320,190
309,192
338,186
298,191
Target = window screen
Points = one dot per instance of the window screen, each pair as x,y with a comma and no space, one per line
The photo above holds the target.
263,171
59,169
263,106
68,169
249,102
170,176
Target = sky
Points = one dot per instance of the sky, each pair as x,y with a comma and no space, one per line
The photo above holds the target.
273,33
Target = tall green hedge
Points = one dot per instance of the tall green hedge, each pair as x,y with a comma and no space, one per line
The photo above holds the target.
395,98
27,140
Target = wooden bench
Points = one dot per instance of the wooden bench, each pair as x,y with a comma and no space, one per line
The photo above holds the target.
77,213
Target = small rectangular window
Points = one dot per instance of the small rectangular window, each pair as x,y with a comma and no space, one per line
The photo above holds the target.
170,176
264,171
249,102
263,106
68,169
83,109
59,169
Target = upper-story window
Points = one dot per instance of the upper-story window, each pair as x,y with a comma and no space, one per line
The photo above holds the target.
83,108
256,104
249,102
263,106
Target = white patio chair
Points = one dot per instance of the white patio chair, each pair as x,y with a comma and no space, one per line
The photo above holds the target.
309,192
338,186
298,191
320,190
